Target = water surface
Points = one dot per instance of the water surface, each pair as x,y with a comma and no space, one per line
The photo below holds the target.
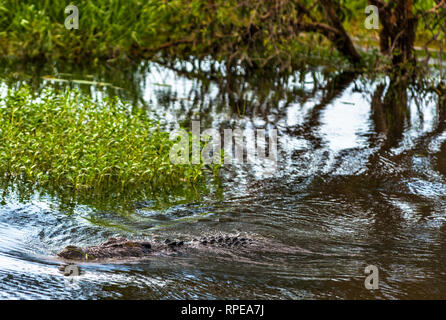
360,181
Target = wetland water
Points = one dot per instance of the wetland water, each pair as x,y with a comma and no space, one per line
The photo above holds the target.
360,181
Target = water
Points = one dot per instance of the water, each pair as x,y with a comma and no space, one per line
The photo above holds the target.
360,181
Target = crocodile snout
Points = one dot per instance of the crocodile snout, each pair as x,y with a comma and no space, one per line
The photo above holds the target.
72,252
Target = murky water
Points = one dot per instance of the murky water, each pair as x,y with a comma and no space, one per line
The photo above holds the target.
360,180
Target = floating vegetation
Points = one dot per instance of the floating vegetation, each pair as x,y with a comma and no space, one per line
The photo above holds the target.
80,81
66,139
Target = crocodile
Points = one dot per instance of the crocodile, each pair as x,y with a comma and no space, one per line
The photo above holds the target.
121,248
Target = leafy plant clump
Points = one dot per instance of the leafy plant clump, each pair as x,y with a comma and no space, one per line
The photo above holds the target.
68,140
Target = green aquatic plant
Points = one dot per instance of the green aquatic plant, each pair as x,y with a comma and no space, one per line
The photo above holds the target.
66,139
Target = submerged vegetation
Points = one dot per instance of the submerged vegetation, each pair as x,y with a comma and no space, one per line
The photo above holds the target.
66,139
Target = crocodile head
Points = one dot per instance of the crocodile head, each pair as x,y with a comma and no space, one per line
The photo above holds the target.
72,253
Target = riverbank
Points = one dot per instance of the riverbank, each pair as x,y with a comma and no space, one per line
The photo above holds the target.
122,31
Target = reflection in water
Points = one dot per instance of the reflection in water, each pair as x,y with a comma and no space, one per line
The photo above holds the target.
360,181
